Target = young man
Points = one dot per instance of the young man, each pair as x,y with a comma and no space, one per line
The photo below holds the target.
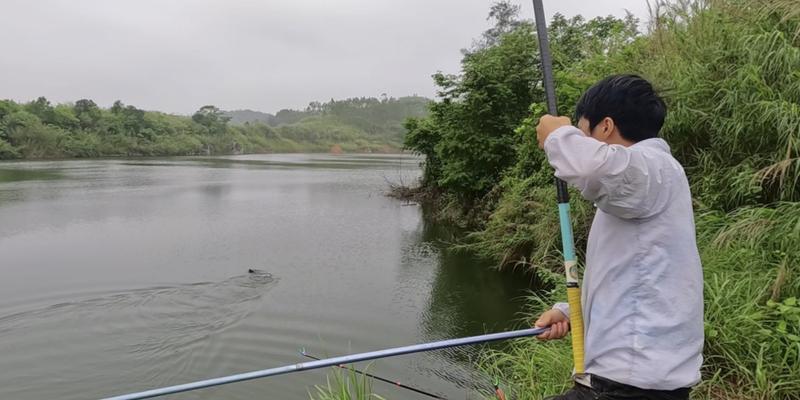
643,284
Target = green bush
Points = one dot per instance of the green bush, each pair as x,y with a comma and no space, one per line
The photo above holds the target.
7,151
81,144
37,140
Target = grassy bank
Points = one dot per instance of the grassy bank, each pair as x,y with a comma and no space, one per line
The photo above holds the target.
730,73
752,316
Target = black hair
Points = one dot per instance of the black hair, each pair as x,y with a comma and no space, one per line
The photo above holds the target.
629,100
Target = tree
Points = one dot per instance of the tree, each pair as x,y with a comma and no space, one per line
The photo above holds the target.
470,134
87,113
64,117
17,120
212,118
117,107
134,122
422,137
30,136
7,107
505,16
41,108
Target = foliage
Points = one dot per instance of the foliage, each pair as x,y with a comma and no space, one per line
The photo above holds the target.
475,121
40,130
7,151
370,116
470,138
506,20
752,318
730,73
212,118
422,137
733,80
751,264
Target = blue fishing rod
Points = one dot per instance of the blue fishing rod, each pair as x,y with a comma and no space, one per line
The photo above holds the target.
330,362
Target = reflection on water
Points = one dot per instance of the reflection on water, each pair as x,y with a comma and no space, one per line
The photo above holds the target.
466,297
358,272
13,175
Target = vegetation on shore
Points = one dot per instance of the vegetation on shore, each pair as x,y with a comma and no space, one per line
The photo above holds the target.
39,129
730,73
346,384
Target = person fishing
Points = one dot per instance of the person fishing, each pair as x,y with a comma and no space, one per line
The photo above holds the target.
643,286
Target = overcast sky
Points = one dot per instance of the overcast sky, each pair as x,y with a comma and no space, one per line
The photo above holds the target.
177,55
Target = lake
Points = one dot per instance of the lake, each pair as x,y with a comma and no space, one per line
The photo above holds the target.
128,274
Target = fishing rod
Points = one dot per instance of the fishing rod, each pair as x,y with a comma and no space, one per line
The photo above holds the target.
396,383
330,362
562,195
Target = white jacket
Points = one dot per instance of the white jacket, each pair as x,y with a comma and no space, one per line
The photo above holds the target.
642,290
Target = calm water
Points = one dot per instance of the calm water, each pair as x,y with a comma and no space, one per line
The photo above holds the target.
124,275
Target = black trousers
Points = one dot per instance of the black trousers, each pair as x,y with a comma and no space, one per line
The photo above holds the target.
605,389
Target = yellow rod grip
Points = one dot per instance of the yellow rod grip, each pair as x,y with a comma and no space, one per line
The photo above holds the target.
576,326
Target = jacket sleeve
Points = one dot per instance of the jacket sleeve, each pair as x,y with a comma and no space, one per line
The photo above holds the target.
619,180
563,307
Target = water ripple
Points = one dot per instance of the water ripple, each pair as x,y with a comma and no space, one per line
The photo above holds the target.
152,334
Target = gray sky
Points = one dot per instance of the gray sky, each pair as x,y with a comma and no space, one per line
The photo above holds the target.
177,55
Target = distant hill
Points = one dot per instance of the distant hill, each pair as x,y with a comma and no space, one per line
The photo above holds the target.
367,118
242,116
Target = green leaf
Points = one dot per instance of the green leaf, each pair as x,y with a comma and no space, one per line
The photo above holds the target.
771,304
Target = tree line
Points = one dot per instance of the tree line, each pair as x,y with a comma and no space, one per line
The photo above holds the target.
40,129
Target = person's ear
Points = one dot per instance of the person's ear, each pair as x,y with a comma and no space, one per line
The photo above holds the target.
604,129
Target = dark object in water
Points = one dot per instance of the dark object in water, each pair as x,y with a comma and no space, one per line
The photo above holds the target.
259,274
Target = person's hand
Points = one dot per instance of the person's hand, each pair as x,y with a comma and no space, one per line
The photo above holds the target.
558,323
547,124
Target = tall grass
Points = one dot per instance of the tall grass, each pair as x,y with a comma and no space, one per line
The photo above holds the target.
530,369
345,384
752,318
752,261
731,73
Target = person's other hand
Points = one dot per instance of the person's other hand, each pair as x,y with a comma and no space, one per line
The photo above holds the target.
547,124
558,323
